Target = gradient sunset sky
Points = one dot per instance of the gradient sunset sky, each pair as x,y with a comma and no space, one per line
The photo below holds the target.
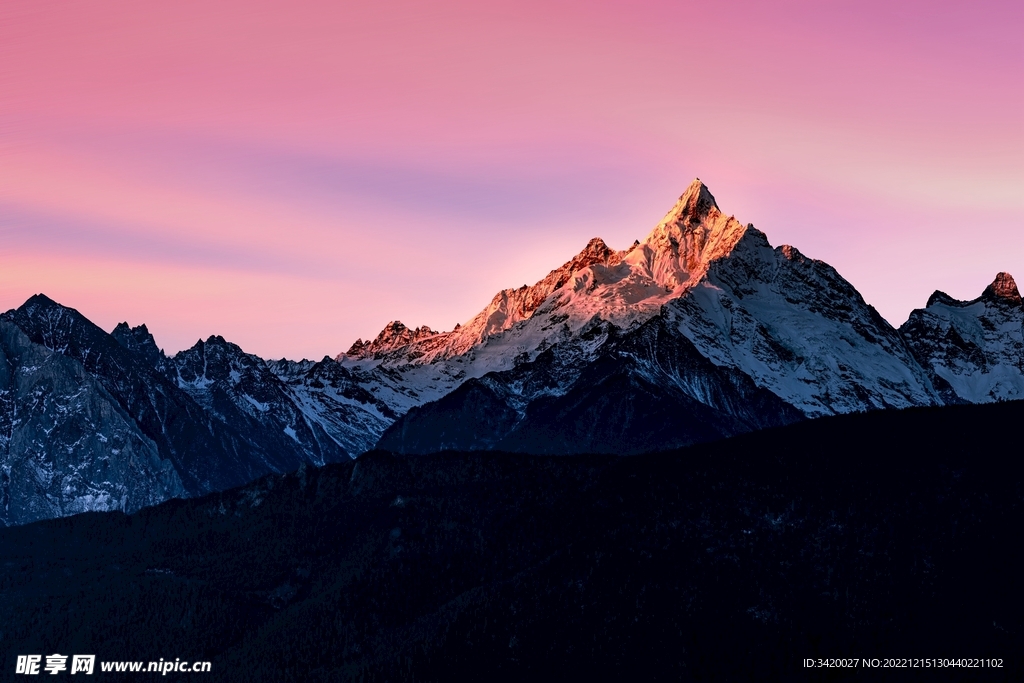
295,175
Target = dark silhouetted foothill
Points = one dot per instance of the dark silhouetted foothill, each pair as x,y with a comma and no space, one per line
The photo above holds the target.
856,536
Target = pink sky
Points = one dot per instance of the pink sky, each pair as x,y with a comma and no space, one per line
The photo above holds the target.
295,175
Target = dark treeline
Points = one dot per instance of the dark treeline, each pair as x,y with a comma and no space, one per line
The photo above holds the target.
888,534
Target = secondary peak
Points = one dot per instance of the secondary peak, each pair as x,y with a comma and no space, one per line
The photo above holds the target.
1003,288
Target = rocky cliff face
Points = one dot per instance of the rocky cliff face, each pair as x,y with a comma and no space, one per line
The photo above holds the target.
974,350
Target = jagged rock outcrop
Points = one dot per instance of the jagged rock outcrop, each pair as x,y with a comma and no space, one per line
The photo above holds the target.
394,335
139,341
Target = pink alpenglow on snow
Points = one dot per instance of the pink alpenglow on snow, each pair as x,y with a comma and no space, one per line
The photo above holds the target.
293,176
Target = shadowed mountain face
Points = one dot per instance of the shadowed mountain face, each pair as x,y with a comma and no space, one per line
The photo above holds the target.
856,536
67,445
208,455
139,341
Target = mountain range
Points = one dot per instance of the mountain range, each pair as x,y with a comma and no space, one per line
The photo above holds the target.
700,331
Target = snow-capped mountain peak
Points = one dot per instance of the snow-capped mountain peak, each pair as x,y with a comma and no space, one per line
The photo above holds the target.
678,251
624,287
789,322
703,315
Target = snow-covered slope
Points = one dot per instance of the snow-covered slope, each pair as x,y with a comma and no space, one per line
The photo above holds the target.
335,400
974,348
797,328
